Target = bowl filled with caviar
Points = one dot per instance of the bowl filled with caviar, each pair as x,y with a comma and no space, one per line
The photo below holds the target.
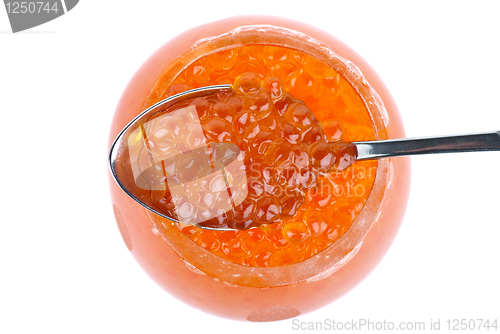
266,222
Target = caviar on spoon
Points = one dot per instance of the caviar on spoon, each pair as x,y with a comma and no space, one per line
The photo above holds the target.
238,156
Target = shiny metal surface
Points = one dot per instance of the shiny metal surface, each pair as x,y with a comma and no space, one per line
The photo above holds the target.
116,147
488,141
120,165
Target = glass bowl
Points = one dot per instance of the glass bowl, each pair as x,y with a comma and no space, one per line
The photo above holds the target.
220,287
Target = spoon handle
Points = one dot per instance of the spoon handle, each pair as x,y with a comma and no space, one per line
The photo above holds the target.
488,141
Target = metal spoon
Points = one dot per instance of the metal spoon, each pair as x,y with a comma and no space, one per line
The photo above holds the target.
123,159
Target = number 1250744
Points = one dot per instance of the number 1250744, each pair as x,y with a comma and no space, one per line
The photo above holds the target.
31,7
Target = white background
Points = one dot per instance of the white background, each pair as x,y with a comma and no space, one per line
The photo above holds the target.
63,265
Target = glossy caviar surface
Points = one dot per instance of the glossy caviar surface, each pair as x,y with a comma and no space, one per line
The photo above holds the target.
287,113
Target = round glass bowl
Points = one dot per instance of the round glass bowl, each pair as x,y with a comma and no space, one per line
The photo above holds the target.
223,288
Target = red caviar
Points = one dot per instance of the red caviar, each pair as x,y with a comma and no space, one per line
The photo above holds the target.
289,131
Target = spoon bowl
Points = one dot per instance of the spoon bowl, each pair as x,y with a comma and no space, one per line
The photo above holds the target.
142,160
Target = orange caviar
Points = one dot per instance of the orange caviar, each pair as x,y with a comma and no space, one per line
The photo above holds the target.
275,91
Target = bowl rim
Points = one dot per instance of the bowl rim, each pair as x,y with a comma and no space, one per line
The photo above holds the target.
346,247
